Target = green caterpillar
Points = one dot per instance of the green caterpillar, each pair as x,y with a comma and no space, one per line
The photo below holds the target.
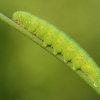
73,55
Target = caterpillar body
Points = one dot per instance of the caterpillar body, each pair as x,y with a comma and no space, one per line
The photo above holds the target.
73,54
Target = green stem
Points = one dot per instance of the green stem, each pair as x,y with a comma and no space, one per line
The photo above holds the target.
50,50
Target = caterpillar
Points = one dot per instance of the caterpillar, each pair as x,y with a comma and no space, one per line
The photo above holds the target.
73,54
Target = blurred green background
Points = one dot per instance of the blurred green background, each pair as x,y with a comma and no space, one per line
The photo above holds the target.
28,72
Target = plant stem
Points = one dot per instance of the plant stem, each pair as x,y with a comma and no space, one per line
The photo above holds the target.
50,50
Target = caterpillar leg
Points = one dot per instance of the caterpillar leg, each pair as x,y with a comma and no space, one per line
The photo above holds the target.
50,36
79,59
59,43
95,76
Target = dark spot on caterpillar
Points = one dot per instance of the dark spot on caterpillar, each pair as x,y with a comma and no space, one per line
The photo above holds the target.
17,22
